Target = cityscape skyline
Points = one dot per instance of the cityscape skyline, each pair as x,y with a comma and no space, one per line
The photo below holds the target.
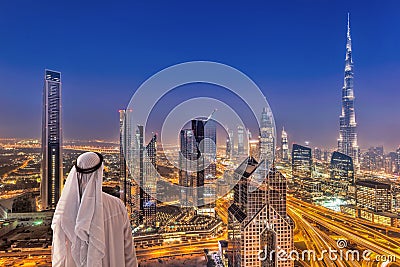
201,168
375,70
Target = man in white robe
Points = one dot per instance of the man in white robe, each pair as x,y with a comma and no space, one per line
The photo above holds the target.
90,228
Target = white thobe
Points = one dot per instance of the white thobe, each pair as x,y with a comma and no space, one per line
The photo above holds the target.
120,251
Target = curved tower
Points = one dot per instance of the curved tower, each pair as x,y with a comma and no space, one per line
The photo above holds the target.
347,143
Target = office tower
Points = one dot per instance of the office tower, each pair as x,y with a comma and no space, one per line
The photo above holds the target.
284,146
124,152
198,128
347,143
210,148
374,196
143,201
257,218
149,205
390,162
373,159
240,132
342,176
317,153
231,142
398,161
254,148
280,235
187,166
301,161
327,156
267,138
52,162
228,149
128,169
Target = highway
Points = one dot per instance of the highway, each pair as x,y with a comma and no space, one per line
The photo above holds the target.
305,214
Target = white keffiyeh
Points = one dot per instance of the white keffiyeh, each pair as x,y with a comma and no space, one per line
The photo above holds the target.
78,220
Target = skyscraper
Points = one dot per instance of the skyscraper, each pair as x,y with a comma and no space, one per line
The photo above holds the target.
301,161
187,166
258,220
398,160
210,148
124,149
267,137
342,181
52,161
149,204
347,143
285,146
144,185
240,132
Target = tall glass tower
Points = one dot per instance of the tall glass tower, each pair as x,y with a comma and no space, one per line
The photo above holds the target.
52,162
347,143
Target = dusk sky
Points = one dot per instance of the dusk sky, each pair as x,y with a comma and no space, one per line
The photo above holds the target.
293,50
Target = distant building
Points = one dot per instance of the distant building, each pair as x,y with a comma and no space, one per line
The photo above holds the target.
52,161
125,148
230,145
284,146
301,161
347,143
267,138
254,148
398,160
342,176
240,132
317,153
373,159
391,163
210,148
187,166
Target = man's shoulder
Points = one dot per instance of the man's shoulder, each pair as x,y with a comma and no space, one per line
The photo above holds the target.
113,204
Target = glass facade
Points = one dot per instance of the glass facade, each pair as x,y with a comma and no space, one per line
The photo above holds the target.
52,162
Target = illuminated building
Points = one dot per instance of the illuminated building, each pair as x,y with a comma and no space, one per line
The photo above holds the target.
267,138
230,145
373,159
52,162
347,143
228,149
375,202
125,142
284,146
149,204
128,166
210,148
398,160
187,166
391,163
257,217
301,161
254,148
240,132
342,176
317,153
146,177
374,196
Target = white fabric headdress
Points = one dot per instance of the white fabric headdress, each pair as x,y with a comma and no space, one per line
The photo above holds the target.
79,215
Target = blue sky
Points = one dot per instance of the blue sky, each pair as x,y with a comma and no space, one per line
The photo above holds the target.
294,51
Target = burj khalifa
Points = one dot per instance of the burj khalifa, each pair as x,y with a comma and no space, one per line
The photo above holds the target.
347,143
